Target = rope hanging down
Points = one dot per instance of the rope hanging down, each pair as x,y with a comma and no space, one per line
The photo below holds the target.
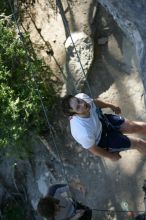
59,4
39,95
42,104
67,29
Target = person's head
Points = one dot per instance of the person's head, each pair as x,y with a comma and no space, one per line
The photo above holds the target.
72,105
48,206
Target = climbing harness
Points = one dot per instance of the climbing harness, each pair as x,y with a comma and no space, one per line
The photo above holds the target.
106,124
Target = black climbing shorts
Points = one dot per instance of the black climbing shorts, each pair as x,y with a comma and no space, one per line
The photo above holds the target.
112,139
87,214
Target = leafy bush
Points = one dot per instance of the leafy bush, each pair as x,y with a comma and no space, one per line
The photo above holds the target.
20,108
13,211
5,7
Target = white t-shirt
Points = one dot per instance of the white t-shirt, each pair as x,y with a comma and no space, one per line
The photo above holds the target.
86,131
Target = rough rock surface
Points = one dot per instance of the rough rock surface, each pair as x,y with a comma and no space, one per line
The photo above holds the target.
130,16
115,77
79,57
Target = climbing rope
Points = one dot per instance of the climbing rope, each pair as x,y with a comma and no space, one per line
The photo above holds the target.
59,4
67,29
49,49
39,94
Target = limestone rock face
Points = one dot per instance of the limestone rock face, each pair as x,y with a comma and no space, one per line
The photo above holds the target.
131,17
79,56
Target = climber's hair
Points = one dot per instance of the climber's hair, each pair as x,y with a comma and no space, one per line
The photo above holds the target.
47,206
66,105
